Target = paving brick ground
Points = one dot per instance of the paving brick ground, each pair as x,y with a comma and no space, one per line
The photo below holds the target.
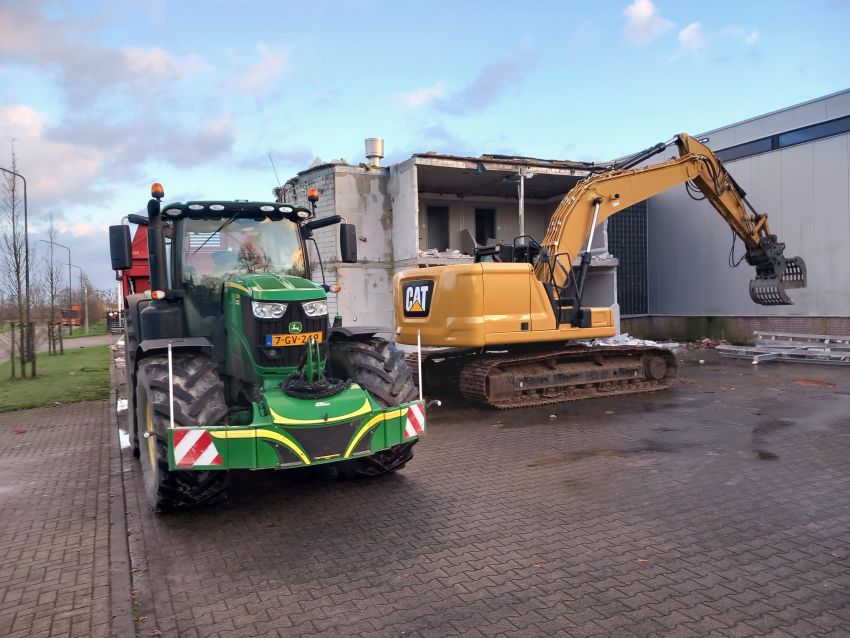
721,508
54,521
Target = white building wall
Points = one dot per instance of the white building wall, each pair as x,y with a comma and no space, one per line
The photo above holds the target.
360,196
403,192
805,190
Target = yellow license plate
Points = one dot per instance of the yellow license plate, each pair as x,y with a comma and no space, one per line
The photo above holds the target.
292,340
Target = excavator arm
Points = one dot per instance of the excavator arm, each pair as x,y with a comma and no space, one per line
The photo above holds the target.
600,196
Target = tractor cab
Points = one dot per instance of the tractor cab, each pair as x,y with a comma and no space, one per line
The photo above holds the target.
252,250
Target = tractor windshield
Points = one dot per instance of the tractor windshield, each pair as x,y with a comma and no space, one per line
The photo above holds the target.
214,250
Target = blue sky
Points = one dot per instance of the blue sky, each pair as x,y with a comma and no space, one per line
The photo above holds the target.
103,98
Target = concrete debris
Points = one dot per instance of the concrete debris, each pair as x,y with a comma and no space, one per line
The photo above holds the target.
449,254
704,344
625,339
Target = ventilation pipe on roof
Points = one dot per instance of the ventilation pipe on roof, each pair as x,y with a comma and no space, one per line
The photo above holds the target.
374,150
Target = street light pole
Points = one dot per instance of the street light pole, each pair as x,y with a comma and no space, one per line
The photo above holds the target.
70,289
31,340
84,296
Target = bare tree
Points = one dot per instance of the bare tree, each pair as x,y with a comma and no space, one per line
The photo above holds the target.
52,284
14,250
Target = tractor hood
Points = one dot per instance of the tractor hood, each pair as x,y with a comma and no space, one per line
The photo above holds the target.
273,287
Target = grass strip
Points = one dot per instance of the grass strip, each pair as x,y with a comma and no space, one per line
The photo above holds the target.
97,328
79,375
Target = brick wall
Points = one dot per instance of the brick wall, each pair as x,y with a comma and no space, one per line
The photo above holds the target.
735,329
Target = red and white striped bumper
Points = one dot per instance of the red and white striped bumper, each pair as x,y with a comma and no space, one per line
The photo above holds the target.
415,425
194,447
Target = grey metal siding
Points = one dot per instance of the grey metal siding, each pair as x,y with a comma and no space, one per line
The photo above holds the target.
806,191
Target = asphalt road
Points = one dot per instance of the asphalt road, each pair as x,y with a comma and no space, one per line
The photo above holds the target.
719,508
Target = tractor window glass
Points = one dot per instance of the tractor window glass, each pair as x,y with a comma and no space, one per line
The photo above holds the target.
242,247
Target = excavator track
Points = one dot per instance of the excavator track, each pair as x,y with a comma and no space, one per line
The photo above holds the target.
574,373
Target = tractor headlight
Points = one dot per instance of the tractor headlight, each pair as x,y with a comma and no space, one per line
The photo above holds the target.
315,308
265,310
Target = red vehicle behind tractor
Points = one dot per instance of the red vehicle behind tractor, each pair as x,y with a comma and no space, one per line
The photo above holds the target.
137,278
71,317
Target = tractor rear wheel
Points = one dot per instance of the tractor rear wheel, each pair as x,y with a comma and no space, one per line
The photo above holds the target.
379,368
198,401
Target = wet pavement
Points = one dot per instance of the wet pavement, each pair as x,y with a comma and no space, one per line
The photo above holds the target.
718,508
58,475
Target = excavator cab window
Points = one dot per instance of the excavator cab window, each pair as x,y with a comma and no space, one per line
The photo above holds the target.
518,252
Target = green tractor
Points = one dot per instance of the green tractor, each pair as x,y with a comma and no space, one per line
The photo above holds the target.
232,362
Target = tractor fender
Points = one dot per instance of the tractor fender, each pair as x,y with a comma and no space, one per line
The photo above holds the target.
151,346
356,333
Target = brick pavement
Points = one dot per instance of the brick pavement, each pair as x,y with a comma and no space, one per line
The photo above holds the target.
54,521
719,509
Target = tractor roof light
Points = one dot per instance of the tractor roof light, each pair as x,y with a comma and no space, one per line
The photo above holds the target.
157,191
313,194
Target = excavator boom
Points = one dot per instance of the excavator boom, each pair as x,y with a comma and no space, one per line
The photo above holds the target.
603,195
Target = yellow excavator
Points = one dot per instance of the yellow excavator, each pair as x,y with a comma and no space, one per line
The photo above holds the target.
506,322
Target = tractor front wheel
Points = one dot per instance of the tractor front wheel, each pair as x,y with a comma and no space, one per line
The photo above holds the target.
198,401
379,368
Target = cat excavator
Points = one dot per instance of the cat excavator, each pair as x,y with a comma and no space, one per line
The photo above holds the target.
508,326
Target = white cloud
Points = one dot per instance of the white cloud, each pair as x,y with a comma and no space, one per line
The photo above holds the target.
692,38
421,97
21,120
644,23
263,73
55,170
156,62
81,229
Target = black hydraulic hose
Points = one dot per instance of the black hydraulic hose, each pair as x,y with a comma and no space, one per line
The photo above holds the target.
643,155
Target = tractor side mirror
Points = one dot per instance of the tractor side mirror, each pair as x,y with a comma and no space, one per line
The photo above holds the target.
120,247
308,228
348,243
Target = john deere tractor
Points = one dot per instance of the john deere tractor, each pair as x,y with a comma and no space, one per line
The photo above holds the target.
232,362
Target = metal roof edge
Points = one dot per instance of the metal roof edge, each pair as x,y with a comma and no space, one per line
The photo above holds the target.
780,110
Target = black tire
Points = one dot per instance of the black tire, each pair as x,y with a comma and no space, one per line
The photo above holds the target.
198,400
380,369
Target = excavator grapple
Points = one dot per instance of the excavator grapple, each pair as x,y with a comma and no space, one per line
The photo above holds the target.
769,290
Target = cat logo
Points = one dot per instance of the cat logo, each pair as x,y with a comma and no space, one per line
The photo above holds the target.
417,297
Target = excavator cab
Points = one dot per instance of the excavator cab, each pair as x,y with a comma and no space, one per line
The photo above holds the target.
524,249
